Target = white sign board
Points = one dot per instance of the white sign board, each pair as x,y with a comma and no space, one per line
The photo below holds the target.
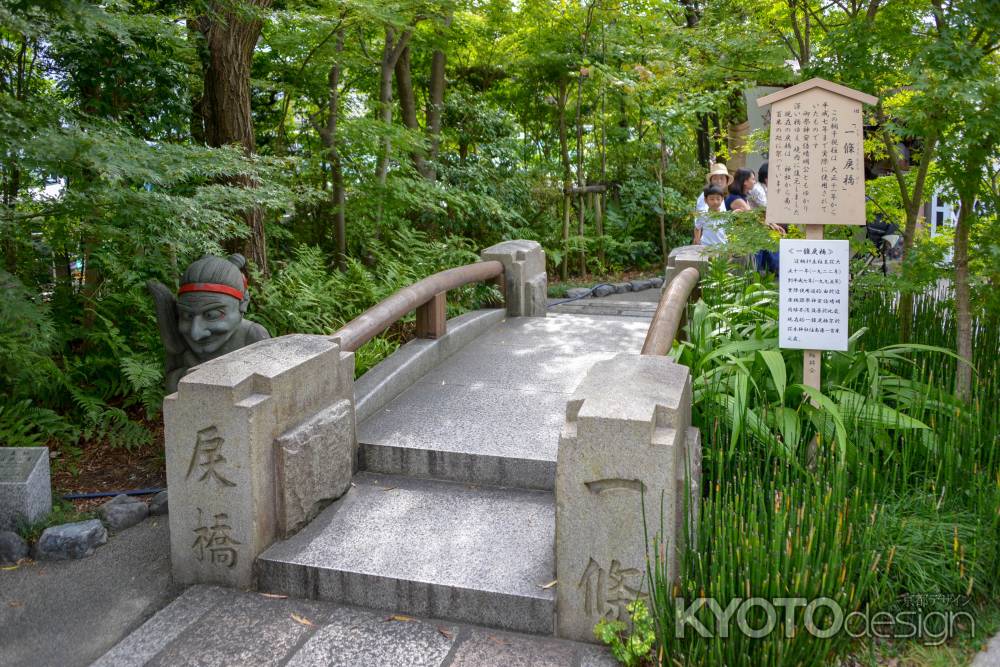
813,293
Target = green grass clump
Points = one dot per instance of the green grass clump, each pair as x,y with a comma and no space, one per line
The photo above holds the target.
880,489
62,512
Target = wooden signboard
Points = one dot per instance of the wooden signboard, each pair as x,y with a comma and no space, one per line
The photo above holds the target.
816,170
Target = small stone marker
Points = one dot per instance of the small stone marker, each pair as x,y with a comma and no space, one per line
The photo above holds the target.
158,505
627,440
25,488
813,294
12,547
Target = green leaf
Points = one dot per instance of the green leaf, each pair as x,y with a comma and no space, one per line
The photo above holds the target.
863,410
830,408
776,364
786,420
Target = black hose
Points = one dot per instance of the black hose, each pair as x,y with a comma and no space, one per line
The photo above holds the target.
108,494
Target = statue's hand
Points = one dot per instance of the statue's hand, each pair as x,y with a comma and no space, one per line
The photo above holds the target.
166,318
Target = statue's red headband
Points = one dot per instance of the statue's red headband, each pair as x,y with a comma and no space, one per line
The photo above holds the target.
212,287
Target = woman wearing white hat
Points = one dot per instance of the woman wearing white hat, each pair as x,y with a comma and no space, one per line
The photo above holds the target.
719,176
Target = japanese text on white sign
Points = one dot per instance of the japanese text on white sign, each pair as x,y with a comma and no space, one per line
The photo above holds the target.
813,294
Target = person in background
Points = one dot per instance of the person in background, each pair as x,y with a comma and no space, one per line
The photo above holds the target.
709,225
758,193
743,182
717,176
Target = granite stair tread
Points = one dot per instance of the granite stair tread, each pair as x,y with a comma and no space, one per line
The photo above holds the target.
467,553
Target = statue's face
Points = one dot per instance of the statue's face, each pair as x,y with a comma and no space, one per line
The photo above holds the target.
207,320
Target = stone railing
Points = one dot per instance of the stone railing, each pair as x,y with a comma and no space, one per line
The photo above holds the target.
258,441
627,441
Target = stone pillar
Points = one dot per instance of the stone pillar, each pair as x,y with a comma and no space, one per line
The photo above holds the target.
257,442
524,270
627,438
25,486
684,256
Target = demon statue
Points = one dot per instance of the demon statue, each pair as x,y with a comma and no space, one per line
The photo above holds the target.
205,320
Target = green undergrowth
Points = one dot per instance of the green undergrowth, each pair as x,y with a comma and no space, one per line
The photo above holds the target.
62,512
880,492
76,370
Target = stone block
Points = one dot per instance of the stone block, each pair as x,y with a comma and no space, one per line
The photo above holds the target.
483,647
71,540
159,504
397,372
641,284
315,461
420,547
577,292
626,441
685,256
604,290
25,488
524,274
220,430
621,288
353,637
12,547
123,512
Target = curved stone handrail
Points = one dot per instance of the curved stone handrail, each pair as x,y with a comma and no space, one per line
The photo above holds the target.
670,312
425,296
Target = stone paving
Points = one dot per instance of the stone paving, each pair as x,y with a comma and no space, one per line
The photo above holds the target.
212,627
639,305
990,656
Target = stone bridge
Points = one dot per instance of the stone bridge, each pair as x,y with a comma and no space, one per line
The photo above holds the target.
490,473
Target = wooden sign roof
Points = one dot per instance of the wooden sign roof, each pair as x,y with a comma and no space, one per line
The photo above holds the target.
844,91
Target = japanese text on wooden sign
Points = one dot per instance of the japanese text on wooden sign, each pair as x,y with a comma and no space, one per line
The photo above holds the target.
816,158
813,294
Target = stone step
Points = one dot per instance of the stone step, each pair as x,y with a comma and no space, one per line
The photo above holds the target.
471,433
209,626
426,547
492,413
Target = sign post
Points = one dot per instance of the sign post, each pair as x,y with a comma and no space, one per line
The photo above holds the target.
816,178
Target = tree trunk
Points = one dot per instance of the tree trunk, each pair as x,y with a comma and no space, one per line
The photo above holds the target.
561,100
328,134
581,179
390,54
230,37
661,168
963,311
912,202
599,225
435,106
408,104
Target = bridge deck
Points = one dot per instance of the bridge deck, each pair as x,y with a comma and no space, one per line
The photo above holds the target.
491,413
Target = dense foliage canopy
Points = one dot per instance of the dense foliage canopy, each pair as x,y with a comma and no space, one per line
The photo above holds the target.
349,146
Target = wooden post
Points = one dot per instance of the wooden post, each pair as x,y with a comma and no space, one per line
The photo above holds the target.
565,238
431,317
813,359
